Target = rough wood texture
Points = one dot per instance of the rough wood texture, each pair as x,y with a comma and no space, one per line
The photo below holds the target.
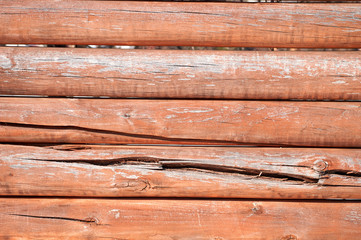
206,172
188,24
177,219
180,74
333,124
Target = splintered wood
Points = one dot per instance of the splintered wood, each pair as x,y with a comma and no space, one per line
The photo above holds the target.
147,171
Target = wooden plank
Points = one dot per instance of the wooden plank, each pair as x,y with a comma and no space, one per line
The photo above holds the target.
180,74
191,172
332,124
177,219
181,24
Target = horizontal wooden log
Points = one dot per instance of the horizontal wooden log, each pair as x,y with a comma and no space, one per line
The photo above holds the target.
180,74
177,219
191,172
181,24
44,120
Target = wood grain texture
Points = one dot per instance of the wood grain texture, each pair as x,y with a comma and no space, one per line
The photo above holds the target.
174,219
180,74
191,172
181,24
332,124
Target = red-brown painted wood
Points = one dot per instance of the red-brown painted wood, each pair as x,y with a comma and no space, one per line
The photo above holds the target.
180,74
328,124
191,172
181,24
177,219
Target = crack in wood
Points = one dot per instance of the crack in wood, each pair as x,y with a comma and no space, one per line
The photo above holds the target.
87,220
343,172
133,171
133,135
161,164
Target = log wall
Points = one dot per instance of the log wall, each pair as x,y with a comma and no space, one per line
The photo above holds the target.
240,141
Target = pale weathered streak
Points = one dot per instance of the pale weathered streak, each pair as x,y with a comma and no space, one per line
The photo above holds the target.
189,24
177,219
180,74
220,172
333,124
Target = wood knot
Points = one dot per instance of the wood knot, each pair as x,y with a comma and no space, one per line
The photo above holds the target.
289,237
320,165
257,209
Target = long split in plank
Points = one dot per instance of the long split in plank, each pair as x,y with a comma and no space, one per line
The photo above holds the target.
186,172
180,74
181,24
44,120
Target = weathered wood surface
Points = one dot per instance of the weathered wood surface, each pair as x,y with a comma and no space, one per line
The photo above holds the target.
180,74
332,124
177,219
187,24
197,172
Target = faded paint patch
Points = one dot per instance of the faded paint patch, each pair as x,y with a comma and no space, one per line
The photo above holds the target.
115,212
190,110
5,62
339,82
